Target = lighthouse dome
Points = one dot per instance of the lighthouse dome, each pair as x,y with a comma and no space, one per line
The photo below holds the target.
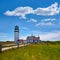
16,27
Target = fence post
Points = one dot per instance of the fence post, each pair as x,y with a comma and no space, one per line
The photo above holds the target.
0,48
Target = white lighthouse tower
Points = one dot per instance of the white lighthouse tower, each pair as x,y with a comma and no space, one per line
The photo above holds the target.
16,34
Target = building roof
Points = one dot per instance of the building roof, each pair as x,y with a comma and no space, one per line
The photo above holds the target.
33,38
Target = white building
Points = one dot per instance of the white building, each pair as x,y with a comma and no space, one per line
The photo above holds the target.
33,39
16,34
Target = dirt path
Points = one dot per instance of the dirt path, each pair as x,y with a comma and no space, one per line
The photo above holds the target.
7,48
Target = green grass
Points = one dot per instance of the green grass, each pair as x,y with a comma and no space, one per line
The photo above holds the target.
7,42
41,51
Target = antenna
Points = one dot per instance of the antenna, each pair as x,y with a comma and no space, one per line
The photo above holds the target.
38,35
31,34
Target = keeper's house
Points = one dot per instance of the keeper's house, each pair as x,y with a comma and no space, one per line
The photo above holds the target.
33,39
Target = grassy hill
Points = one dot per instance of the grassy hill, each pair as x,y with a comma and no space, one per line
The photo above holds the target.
43,51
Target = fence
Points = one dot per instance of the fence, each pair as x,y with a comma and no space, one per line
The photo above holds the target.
0,48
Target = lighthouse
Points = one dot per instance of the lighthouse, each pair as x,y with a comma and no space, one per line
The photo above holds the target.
16,34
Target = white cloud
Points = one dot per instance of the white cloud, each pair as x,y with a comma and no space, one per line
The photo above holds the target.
46,36
24,36
20,11
52,36
32,20
25,28
59,22
45,24
51,10
3,36
23,11
49,19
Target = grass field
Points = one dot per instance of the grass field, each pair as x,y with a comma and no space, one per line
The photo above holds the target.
7,42
41,51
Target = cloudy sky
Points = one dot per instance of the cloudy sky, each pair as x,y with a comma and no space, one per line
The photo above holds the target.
32,16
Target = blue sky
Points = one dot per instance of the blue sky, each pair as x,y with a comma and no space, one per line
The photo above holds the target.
32,16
